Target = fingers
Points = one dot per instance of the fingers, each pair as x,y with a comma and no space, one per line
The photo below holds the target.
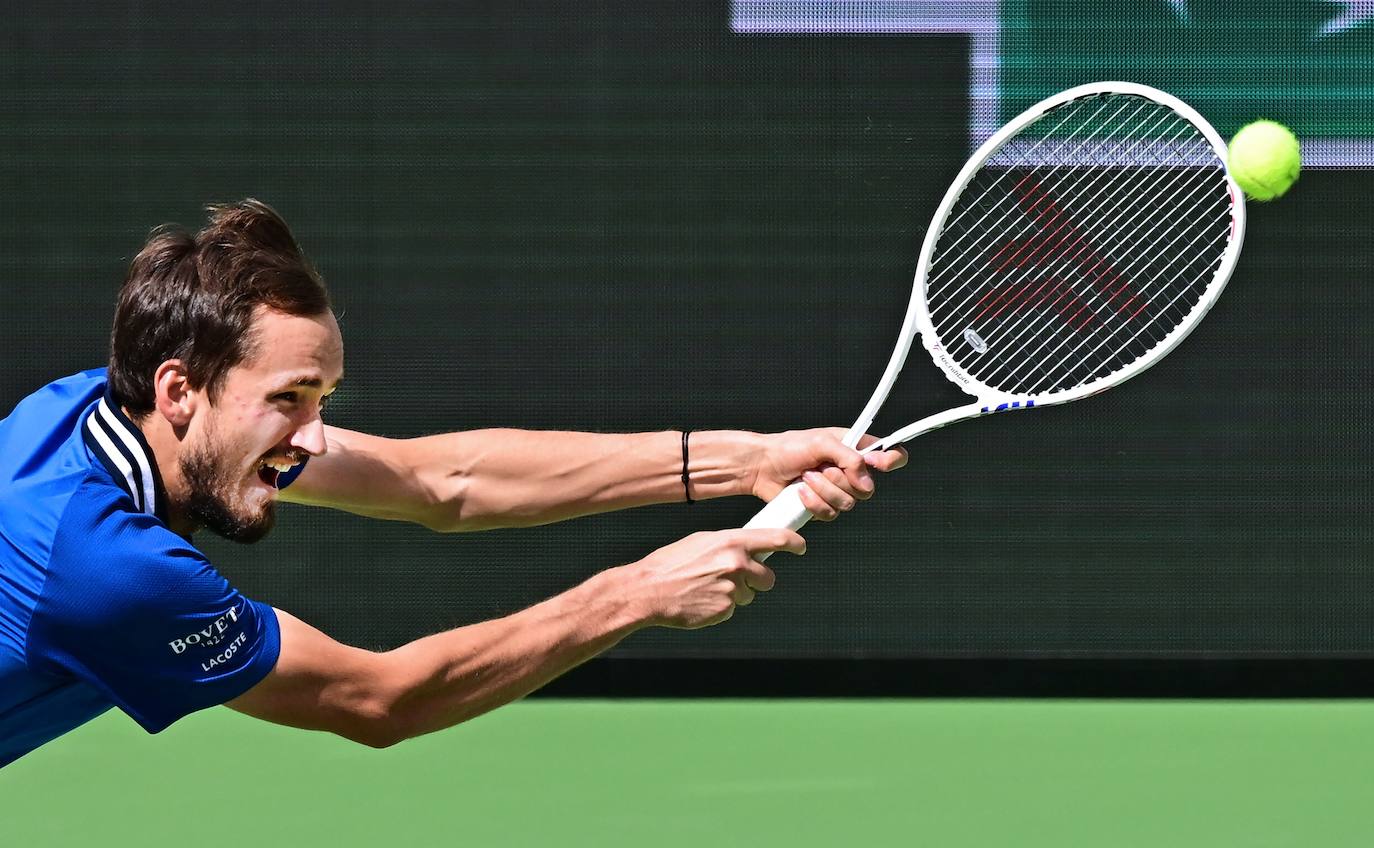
770,540
789,455
828,497
884,460
748,576
752,577
758,576
699,580
815,504
843,476
853,477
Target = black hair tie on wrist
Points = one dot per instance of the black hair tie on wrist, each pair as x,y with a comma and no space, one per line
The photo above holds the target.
685,489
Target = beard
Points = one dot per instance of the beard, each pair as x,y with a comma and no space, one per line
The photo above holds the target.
212,488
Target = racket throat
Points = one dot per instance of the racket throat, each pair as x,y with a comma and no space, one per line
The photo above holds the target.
944,419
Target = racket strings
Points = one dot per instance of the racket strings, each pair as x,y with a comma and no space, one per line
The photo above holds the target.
1190,282
1194,277
990,234
1080,246
976,199
1154,330
1083,246
1079,252
1196,182
1016,290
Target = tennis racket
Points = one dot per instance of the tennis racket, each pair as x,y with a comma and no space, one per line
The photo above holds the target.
1077,247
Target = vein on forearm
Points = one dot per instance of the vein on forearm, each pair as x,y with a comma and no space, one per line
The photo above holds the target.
505,478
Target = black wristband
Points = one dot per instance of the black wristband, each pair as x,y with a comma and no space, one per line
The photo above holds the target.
686,490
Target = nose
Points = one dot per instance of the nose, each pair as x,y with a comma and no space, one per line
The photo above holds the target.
309,438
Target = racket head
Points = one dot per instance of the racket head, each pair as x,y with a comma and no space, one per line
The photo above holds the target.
1011,299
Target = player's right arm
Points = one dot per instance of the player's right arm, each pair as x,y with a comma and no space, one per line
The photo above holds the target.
380,699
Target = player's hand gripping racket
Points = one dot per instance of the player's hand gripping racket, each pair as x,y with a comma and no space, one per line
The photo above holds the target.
1076,248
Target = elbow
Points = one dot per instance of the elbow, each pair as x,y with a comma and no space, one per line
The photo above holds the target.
384,723
395,706
376,737
376,726
374,710
445,512
442,501
397,696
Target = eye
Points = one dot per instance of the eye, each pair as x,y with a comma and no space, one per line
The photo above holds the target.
289,397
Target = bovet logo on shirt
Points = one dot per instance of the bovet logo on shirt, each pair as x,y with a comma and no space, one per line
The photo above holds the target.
208,636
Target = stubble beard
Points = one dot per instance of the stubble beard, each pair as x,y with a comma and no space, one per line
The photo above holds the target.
211,490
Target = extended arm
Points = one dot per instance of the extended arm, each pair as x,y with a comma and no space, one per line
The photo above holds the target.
482,479
379,699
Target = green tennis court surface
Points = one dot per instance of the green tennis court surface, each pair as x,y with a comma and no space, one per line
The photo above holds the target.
755,773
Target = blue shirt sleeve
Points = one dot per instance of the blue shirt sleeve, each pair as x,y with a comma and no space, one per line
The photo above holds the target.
143,617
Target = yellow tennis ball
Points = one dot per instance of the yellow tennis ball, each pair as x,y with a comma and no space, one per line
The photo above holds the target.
1265,159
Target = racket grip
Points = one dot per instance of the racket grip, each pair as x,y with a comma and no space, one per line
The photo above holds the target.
785,510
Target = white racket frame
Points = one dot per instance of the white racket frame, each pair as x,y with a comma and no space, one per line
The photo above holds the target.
787,510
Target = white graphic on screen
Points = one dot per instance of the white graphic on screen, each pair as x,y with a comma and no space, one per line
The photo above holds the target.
981,22
1350,14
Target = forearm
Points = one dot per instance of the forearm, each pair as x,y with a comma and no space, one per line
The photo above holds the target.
508,478
379,699
482,479
454,676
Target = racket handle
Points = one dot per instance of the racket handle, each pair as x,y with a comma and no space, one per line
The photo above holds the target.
785,510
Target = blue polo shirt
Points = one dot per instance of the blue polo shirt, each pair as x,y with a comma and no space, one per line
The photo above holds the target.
101,604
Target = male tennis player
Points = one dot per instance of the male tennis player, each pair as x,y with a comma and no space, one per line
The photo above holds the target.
223,354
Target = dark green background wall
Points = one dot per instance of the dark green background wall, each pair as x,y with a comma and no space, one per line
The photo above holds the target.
622,216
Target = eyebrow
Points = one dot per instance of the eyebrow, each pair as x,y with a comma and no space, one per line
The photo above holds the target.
312,382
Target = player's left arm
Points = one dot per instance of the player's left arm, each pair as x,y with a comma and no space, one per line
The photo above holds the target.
482,479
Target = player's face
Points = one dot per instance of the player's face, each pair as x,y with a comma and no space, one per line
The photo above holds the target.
266,419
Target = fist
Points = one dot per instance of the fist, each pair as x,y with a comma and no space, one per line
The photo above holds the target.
836,477
698,581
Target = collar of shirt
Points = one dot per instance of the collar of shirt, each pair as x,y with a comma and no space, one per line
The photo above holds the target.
120,446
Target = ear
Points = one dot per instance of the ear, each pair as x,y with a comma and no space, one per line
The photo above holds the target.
174,400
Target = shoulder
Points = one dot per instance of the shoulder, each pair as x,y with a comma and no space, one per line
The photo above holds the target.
140,614
105,555
47,405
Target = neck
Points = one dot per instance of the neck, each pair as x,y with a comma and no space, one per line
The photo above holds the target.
166,444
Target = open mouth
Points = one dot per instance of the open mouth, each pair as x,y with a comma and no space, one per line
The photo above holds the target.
269,471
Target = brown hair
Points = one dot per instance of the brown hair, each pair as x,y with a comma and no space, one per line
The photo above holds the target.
192,297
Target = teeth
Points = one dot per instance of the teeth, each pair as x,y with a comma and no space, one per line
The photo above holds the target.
282,466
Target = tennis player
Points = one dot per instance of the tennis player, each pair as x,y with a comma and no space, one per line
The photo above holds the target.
223,356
